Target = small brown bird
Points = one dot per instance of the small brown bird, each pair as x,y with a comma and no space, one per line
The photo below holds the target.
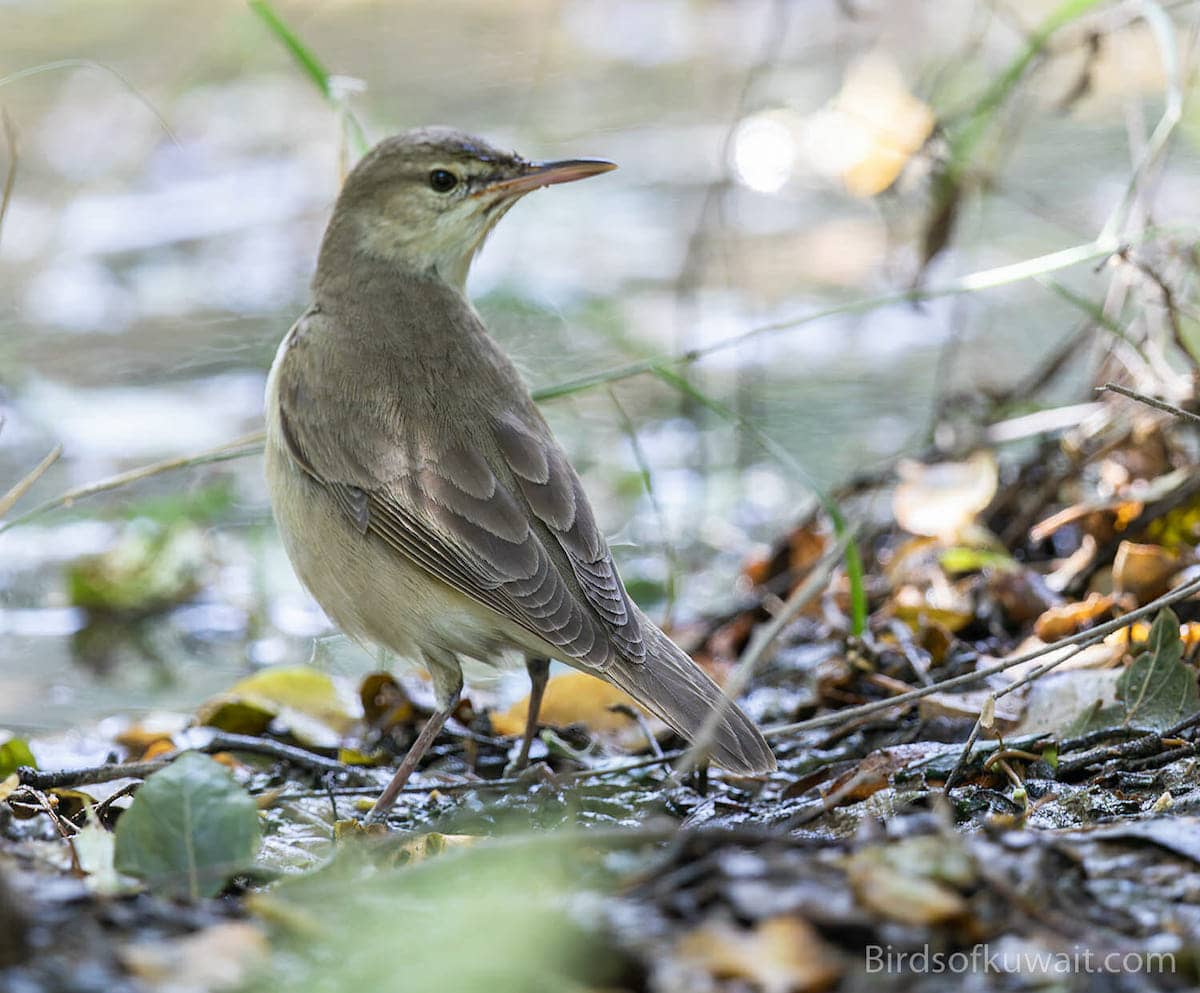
420,494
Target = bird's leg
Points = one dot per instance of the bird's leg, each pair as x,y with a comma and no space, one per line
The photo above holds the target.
447,683
539,672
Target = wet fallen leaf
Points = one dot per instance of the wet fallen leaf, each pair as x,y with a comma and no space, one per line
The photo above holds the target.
70,804
1179,527
878,770
938,605
940,500
910,880
1062,700
573,698
1021,594
1138,633
149,736
94,849
425,846
781,954
963,559
1070,618
189,830
1145,571
313,708
14,753
801,550
384,702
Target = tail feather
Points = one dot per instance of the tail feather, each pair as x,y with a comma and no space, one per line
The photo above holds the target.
677,691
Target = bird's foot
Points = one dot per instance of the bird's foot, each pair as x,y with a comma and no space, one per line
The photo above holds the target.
532,774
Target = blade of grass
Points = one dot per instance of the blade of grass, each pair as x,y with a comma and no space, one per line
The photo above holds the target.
312,67
983,279
1093,310
853,559
247,445
303,55
1168,47
964,141
37,70
643,465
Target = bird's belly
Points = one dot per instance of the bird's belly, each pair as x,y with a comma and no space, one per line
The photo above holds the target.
366,588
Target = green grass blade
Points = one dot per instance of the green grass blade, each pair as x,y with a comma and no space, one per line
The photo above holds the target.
304,56
313,68
962,144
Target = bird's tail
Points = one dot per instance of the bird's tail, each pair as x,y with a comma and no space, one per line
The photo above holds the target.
677,691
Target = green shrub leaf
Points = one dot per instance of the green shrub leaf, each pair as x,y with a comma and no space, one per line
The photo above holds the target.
1158,689
190,829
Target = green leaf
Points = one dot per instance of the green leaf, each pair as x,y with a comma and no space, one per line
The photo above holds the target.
962,559
482,916
190,829
1158,690
15,753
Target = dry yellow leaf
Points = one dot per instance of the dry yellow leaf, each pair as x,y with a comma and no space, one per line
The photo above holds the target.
425,846
1068,618
780,955
899,895
870,130
572,698
942,499
1145,570
314,708
218,957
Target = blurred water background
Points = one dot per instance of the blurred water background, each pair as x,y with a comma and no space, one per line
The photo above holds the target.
176,170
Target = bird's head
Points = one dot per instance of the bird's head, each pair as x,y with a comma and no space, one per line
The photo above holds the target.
426,199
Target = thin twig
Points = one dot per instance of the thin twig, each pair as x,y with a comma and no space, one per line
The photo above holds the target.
220,741
22,487
1147,744
1025,680
10,178
58,779
239,447
1150,401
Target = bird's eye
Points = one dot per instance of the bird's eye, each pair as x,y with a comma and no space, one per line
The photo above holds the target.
442,180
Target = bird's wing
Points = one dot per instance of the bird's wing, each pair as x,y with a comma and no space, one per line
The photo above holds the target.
506,524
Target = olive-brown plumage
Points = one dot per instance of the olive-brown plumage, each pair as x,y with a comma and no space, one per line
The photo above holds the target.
420,494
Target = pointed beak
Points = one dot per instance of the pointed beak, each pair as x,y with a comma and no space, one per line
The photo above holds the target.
535,175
